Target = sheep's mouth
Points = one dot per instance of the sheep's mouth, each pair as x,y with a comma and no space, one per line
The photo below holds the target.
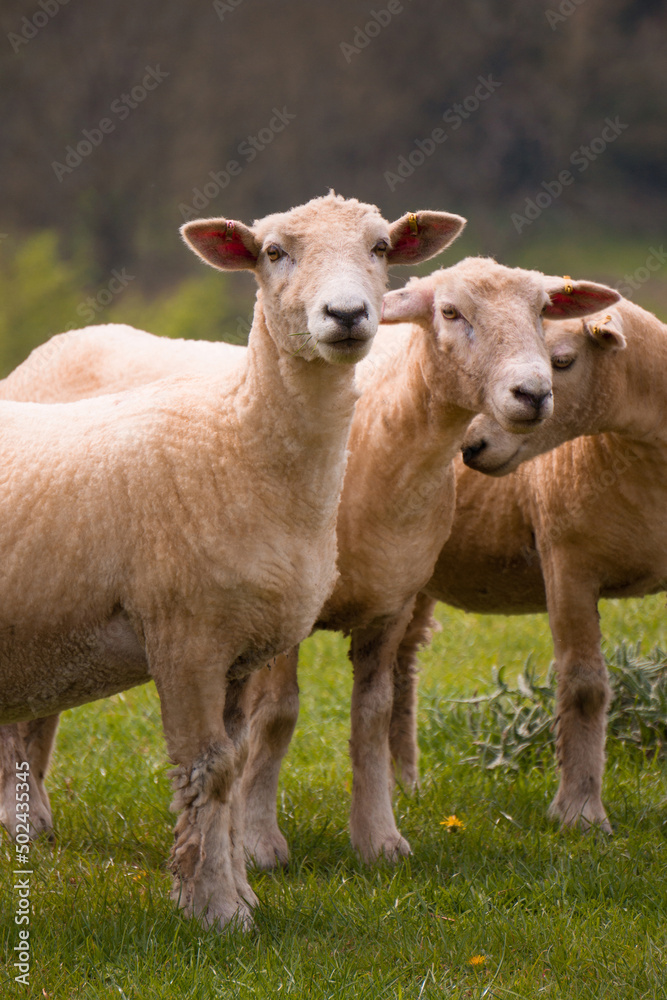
350,348
348,343
522,425
496,470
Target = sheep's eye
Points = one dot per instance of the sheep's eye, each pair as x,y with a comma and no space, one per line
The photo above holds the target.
273,252
380,247
561,361
449,312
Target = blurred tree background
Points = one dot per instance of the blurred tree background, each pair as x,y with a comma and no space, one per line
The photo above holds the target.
119,120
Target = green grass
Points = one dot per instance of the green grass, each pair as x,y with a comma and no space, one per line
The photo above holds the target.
553,914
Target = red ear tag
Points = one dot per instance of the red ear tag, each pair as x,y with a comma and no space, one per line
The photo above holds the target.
230,231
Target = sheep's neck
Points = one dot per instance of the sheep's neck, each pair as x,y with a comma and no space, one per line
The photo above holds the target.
407,426
397,499
306,425
638,405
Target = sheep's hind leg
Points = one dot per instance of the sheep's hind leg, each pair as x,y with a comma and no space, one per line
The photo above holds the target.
272,707
581,706
403,726
207,856
373,829
29,742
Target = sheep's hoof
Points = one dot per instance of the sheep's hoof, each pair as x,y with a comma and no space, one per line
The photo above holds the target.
223,918
41,824
266,850
586,814
395,851
216,914
246,894
407,778
391,849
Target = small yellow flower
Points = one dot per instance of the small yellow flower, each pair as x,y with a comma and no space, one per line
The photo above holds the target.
477,960
452,824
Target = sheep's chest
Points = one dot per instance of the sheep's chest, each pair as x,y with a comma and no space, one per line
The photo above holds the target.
268,598
47,673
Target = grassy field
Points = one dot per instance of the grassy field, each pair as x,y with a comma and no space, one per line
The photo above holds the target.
506,907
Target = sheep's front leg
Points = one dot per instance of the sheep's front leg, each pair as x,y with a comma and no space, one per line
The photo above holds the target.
12,752
582,697
206,737
32,742
373,828
236,726
39,736
403,726
272,709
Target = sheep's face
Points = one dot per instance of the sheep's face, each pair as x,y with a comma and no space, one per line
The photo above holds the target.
579,352
322,268
486,321
322,273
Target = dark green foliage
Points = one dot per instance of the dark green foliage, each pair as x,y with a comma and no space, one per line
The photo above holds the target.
229,65
513,725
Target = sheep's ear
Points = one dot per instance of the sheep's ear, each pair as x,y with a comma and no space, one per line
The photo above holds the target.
222,243
607,331
420,235
408,305
569,299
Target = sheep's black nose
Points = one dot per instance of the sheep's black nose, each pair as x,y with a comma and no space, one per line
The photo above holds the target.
348,317
532,399
471,451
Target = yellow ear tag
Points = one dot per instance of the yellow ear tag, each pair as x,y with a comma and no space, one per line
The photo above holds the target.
598,329
412,219
568,284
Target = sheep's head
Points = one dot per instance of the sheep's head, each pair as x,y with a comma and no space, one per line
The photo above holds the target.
322,267
579,350
486,320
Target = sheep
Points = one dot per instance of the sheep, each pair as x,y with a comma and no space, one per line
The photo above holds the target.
575,524
184,531
572,525
421,386
482,322
111,357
